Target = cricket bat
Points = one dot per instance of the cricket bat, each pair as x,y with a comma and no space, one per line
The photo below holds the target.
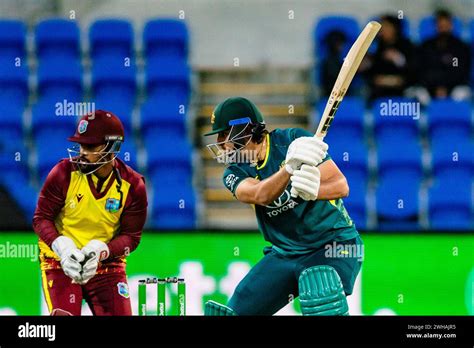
346,74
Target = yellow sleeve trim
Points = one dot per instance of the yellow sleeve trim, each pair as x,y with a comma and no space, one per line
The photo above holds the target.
267,153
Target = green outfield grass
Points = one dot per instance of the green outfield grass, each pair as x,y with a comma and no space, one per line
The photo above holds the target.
409,274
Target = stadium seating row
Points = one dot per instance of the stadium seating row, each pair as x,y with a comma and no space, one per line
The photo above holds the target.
401,118
351,28
60,84
400,170
401,139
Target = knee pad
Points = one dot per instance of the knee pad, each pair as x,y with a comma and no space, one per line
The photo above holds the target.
60,312
321,292
213,308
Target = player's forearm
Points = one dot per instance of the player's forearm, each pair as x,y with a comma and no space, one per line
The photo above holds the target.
43,219
271,188
50,202
263,192
45,229
131,224
123,245
333,189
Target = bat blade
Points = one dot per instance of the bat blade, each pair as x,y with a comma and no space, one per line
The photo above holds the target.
346,74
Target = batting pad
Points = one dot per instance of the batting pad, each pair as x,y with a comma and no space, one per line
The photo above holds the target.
321,292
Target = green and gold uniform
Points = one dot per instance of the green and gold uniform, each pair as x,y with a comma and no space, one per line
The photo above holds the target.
298,231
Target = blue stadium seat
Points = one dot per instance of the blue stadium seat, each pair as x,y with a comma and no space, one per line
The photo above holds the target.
471,33
20,189
51,147
12,40
398,204
174,206
449,119
158,115
168,78
168,156
111,38
13,157
450,206
346,24
112,81
60,79
352,158
450,196
395,118
57,39
11,141
123,110
13,153
356,204
402,158
11,120
165,38
13,84
11,123
349,122
453,160
400,174
46,115
427,28
471,29
128,152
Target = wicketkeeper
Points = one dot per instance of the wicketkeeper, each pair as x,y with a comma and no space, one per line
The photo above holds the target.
297,193
89,217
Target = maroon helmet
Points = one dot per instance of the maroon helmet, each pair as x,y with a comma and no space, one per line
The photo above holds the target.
97,128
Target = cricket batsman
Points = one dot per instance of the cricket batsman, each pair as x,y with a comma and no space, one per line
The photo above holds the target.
296,190
90,215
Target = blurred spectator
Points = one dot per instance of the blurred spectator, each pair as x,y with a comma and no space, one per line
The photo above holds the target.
444,62
331,64
390,68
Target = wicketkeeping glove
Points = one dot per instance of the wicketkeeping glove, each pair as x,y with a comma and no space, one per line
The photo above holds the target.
71,257
93,252
305,183
305,150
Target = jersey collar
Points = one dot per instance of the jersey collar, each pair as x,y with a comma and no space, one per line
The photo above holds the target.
110,180
267,153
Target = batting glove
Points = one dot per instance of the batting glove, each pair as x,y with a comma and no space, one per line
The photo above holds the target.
305,183
305,150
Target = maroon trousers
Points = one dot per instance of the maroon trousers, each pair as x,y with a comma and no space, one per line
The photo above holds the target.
106,293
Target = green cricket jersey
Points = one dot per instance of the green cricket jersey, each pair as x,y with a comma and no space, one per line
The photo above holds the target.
292,226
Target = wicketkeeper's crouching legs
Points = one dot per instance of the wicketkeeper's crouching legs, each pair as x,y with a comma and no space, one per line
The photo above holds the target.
106,293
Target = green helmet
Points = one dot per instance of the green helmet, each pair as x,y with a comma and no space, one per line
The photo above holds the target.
242,121
232,109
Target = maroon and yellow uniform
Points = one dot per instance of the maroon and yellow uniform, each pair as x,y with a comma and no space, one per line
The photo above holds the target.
84,207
